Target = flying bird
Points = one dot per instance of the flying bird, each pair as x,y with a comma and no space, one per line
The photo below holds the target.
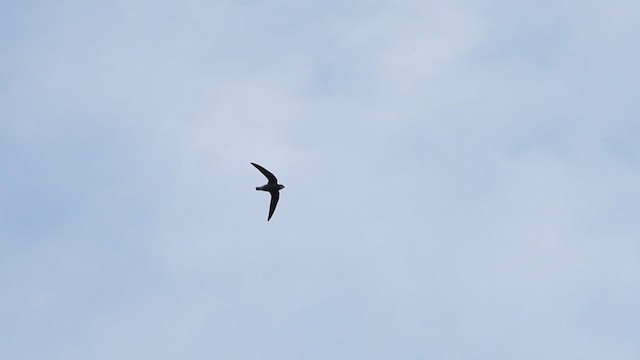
272,187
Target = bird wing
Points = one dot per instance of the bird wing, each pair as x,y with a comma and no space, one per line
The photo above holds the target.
272,179
275,196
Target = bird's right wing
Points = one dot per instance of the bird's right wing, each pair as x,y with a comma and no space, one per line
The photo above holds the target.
272,179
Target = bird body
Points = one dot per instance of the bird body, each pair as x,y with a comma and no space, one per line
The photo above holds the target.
272,187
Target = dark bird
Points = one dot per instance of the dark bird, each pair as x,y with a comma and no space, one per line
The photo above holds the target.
272,187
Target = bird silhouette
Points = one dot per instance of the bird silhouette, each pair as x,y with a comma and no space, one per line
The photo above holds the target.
272,187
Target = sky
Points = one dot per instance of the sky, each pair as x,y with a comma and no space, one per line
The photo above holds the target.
462,179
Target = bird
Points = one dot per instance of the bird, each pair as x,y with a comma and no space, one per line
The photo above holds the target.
272,187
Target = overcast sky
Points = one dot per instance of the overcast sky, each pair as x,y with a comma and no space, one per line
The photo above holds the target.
462,180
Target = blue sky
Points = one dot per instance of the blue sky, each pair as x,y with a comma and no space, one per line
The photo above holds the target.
462,180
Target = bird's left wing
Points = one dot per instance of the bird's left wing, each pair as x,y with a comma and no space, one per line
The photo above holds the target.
275,196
